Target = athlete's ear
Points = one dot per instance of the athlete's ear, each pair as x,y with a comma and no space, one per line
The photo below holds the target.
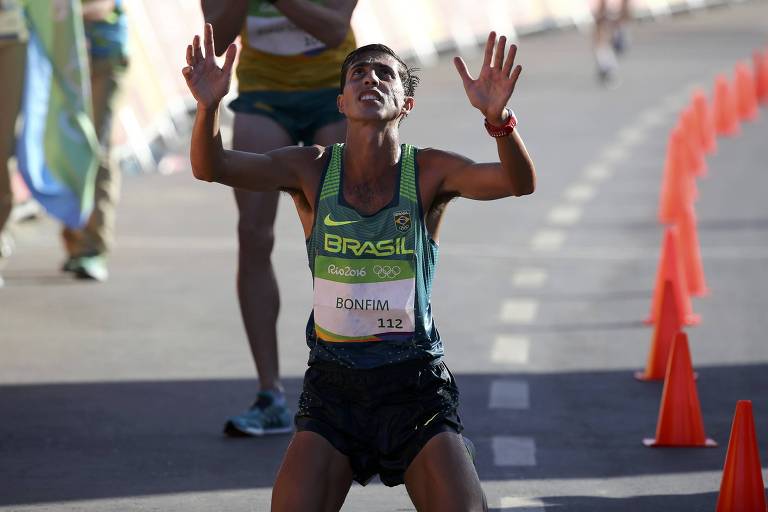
340,103
408,105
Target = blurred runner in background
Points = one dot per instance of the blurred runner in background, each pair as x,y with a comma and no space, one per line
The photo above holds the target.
287,85
610,38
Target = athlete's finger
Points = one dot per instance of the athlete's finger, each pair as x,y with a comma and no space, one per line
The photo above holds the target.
489,49
189,54
187,72
229,58
461,67
196,50
515,75
208,35
499,57
510,60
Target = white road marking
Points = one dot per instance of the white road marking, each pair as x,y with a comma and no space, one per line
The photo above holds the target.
564,215
579,193
511,349
519,504
514,451
548,240
614,153
509,394
632,134
598,172
529,278
519,311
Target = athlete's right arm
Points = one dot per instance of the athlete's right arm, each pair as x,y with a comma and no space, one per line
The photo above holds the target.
210,162
227,18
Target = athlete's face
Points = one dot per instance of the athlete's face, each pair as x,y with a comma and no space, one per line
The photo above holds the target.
373,89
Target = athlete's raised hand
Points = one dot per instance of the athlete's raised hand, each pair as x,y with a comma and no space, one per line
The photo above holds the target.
208,82
490,92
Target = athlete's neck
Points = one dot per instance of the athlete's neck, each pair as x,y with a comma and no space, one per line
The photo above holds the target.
371,152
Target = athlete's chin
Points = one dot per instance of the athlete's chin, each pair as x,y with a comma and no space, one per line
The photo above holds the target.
371,117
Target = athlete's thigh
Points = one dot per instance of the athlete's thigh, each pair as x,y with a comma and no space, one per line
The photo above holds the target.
257,134
443,478
331,133
314,476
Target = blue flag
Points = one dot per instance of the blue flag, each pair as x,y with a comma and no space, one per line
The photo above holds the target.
58,148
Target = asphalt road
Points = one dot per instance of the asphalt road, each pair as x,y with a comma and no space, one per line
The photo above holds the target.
112,396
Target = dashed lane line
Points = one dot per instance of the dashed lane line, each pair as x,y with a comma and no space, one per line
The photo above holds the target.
511,350
509,394
513,451
566,215
519,311
548,240
529,278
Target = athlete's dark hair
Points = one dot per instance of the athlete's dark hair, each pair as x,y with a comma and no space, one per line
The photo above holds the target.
407,74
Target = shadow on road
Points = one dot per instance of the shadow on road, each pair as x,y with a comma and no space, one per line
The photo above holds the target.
660,502
98,440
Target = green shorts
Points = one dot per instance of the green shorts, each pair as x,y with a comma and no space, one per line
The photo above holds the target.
301,113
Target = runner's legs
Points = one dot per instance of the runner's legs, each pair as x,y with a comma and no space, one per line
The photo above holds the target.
442,477
314,476
256,284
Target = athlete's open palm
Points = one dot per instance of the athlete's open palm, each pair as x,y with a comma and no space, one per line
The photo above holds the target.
492,89
208,82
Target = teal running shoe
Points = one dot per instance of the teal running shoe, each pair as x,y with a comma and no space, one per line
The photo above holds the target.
267,415
92,267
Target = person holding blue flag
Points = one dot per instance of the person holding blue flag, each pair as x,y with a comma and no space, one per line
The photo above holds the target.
107,34
63,148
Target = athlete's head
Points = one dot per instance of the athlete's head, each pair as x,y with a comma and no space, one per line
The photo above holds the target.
375,78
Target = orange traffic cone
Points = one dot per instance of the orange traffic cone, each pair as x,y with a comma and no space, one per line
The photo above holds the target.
680,422
726,117
678,186
670,268
691,254
691,131
706,123
760,65
664,332
746,92
741,489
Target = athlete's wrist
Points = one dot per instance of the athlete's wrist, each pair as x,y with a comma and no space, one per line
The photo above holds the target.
504,127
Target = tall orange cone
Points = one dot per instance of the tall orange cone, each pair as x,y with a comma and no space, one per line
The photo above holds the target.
678,185
726,117
670,268
691,131
746,92
664,333
706,122
680,422
741,489
691,253
760,64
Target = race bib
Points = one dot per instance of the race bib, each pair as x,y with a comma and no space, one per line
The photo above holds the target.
279,36
363,299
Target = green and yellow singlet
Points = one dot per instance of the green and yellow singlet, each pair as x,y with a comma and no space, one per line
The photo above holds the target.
372,275
278,56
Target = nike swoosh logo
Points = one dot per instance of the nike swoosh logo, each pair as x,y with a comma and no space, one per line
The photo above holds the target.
330,222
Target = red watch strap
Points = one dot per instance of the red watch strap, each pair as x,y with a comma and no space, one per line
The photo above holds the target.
505,129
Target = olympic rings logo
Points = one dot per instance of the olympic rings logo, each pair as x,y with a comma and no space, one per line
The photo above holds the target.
386,271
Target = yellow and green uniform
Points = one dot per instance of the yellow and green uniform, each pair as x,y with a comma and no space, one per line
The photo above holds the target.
278,56
372,275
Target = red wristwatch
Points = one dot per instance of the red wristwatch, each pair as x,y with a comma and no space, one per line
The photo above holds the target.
505,129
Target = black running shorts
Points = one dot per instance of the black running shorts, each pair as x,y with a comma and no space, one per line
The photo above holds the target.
380,418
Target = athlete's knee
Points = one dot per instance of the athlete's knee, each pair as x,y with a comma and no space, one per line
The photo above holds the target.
255,240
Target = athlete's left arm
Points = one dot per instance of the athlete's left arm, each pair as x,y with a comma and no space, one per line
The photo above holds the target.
514,175
328,22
